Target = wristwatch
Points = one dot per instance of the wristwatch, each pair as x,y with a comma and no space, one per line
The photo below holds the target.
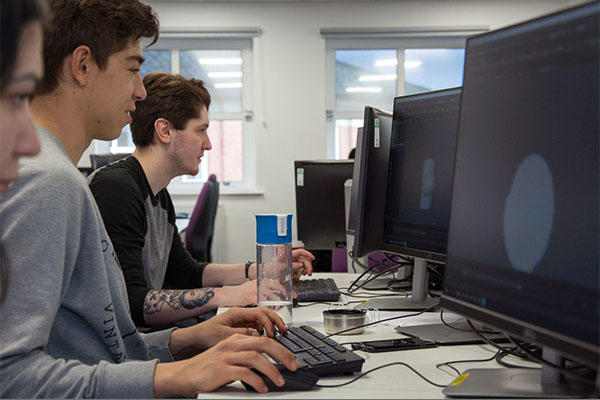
246,268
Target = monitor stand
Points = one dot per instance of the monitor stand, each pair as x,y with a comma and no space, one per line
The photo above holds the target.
518,382
419,298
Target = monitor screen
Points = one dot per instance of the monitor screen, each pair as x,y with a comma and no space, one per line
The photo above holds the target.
524,242
320,202
369,181
417,208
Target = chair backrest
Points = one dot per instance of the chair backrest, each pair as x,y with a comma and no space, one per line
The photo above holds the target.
339,259
100,160
200,230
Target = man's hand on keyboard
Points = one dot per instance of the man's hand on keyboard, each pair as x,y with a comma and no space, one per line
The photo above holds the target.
228,361
302,262
245,321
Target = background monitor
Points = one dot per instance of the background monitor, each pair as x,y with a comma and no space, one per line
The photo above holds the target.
320,202
367,205
524,241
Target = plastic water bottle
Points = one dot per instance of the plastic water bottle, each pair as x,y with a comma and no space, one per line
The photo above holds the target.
274,263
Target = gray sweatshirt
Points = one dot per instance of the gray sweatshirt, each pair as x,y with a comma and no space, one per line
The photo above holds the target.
65,327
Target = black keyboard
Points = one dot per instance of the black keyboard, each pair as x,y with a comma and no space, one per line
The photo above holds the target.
317,290
318,353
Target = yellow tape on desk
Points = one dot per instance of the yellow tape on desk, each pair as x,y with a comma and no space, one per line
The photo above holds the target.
459,380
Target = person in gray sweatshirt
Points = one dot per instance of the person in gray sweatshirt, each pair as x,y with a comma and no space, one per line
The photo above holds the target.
65,329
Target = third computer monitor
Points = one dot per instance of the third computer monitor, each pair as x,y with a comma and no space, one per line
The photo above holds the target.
369,181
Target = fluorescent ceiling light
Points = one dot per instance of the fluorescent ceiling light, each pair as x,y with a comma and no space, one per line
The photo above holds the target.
377,78
220,61
392,62
225,74
412,64
364,89
228,85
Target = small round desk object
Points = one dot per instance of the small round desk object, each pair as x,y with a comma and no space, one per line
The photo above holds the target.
336,320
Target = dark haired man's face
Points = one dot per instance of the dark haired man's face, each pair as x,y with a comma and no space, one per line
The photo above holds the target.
114,92
190,143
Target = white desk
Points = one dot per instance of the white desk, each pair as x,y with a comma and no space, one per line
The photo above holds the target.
391,382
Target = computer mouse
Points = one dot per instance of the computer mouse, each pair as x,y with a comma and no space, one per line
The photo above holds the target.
301,379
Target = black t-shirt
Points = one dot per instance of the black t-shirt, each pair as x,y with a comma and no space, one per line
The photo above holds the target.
143,232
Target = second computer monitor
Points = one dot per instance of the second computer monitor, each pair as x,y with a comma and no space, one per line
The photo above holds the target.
419,187
320,202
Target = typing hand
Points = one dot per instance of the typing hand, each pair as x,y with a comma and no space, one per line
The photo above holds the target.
302,262
245,321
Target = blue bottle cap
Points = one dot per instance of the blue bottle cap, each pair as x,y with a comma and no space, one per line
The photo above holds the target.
273,228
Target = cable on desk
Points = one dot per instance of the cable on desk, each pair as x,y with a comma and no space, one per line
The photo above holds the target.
380,367
448,363
463,330
390,255
375,276
500,361
368,295
381,320
391,269
313,304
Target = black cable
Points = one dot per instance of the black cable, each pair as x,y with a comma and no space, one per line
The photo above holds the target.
383,366
460,329
448,363
363,295
500,361
381,320
313,303
389,257
494,345
379,273
361,275
391,269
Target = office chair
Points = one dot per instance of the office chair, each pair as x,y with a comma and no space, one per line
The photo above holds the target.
339,261
100,160
199,233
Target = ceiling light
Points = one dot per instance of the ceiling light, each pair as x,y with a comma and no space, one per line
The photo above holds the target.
225,74
220,61
377,78
412,64
392,62
228,85
363,89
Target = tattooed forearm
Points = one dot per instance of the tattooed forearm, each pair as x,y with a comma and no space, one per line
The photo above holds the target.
159,300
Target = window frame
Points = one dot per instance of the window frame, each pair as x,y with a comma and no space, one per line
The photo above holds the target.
373,43
190,40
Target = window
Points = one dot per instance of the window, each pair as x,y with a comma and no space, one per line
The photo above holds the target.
225,65
371,72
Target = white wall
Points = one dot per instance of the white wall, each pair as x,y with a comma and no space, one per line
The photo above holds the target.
292,57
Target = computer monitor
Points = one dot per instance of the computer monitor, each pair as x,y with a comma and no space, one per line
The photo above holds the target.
419,183
320,202
367,205
524,242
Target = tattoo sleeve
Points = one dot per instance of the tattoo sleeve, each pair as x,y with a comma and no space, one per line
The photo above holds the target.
159,300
